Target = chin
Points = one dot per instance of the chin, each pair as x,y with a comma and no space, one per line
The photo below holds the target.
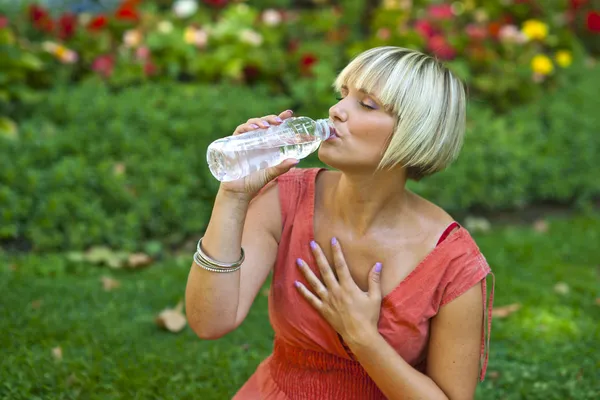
333,159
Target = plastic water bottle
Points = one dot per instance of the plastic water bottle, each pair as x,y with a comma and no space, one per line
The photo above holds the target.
235,157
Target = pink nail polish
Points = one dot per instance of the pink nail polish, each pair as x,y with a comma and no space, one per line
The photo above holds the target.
313,245
297,284
299,262
333,241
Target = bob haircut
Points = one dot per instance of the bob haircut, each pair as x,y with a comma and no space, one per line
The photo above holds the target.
427,99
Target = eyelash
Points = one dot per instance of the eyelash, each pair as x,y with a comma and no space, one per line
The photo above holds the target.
360,102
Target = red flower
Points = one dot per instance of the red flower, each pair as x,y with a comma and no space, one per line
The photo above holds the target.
251,73
441,48
593,21
216,3
127,11
494,29
67,25
149,68
97,23
104,65
424,28
3,22
577,4
40,18
306,63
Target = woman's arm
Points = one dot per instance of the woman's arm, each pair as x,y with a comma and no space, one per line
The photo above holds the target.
452,360
217,303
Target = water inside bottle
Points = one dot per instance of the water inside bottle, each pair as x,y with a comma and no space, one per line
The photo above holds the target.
227,165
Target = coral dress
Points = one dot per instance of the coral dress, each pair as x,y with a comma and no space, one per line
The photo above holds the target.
309,359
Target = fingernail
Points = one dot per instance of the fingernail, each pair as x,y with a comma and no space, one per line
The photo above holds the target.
290,111
265,123
299,262
333,241
296,162
278,119
378,267
296,283
313,245
255,126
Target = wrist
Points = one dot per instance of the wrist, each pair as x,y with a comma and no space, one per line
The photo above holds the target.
363,338
239,197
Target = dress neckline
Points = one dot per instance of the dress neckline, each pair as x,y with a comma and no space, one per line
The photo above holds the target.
418,268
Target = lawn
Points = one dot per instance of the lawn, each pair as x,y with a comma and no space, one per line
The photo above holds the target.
111,347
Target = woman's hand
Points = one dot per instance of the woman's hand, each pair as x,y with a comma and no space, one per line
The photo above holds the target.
251,184
352,312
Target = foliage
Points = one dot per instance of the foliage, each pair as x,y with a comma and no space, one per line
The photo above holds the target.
112,349
95,167
508,52
541,152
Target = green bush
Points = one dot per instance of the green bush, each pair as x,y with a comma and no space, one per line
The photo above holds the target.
97,167
92,167
542,152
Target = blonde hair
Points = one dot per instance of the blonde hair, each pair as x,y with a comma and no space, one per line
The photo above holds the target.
427,99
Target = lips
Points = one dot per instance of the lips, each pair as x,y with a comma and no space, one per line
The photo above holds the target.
333,134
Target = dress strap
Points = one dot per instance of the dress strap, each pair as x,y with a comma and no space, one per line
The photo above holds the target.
487,329
447,232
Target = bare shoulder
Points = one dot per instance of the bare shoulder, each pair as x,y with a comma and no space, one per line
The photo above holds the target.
432,216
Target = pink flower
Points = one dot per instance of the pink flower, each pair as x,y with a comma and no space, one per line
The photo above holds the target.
142,53
440,11
384,33
104,65
476,32
3,22
441,48
424,28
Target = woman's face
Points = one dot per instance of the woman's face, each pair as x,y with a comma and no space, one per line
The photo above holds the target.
363,130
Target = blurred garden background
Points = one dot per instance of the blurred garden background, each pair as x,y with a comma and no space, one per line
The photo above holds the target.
107,108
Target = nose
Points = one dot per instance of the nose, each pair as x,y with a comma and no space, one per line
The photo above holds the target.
337,112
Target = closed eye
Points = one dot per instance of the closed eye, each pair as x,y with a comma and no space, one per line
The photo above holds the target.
364,105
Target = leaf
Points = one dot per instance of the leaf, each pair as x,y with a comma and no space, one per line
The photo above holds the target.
505,311
8,128
540,226
57,353
562,288
172,319
598,301
139,260
109,283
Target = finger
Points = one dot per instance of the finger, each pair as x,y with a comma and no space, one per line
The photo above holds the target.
375,282
339,263
286,114
324,268
320,289
311,298
247,127
279,169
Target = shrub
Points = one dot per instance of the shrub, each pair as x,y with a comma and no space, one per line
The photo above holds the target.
91,166
542,152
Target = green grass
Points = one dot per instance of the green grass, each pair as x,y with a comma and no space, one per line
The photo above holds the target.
112,348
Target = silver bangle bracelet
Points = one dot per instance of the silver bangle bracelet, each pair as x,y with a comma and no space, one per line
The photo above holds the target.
217,264
207,267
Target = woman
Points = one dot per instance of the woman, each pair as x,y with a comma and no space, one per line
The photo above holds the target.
376,292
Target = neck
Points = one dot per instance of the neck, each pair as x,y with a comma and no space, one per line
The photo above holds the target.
363,201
